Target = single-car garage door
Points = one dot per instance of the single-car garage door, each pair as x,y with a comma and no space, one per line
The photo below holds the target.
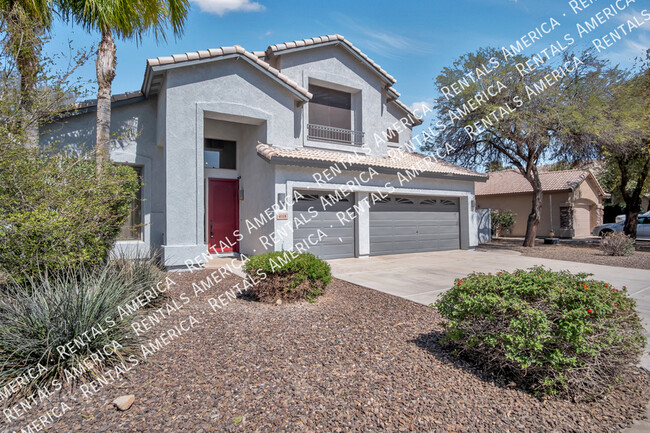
407,224
312,213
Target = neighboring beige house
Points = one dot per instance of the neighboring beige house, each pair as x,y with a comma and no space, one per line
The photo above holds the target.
572,201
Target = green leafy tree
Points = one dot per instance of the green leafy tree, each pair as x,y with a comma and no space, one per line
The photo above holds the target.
622,135
513,116
129,19
54,210
23,24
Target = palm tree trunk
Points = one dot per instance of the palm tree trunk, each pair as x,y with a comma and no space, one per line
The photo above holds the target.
106,62
536,212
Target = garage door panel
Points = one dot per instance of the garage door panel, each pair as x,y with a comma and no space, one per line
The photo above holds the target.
404,225
339,242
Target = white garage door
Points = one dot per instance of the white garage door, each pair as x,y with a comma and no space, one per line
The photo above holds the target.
406,224
339,242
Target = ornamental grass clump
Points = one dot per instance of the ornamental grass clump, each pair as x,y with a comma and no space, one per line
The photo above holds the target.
288,276
550,332
84,308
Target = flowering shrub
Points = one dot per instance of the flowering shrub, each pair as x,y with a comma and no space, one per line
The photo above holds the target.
549,332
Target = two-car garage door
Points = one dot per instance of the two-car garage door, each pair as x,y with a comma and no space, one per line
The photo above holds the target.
414,224
398,224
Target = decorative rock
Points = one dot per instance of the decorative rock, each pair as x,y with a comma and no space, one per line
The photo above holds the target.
124,402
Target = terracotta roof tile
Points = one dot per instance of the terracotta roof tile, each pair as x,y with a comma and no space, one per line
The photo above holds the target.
513,182
217,52
397,161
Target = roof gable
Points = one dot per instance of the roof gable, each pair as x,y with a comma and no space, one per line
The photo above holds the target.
157,65
336,39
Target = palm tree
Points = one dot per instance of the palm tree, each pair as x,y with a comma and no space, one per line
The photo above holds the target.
25,22
126,19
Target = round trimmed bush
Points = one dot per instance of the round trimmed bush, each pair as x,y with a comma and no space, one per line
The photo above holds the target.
288,276
549,332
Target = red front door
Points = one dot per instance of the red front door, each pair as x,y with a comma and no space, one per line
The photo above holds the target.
223,215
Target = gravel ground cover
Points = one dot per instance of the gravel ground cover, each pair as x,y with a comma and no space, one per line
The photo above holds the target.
357,360
572,252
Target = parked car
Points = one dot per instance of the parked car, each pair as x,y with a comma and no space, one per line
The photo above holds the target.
642,228
620,218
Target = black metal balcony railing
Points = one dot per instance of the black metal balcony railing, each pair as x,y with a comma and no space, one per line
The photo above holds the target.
334,135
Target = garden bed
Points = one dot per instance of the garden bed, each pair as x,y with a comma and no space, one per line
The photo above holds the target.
355,360
573,251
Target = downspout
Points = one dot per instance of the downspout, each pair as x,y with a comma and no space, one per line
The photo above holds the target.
550,206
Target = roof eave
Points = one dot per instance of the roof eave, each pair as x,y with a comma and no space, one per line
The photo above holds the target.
304,162
521,192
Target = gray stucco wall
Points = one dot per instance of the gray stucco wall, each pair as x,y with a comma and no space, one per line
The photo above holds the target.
335,67
255,180
229,90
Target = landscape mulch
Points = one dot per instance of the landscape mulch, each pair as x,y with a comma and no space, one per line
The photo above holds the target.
584,252
356,360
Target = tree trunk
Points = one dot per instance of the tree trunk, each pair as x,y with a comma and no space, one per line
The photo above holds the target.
633,199
631,217
106,61
536,212
25,45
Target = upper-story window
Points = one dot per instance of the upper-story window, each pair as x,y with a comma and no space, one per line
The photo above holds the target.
220,154
329,107
330,116
392,136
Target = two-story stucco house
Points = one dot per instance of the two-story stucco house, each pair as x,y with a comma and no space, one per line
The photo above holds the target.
295,147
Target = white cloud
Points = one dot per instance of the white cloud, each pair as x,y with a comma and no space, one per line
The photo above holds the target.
222,7
383,42
419,106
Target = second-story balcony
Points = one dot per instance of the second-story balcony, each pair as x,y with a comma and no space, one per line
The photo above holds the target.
334,135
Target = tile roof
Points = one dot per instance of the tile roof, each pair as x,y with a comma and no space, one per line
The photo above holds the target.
396,162
115,98
260,58
224,51
513,182
325,39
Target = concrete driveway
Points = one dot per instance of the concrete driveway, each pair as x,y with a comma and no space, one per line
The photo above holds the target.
421,277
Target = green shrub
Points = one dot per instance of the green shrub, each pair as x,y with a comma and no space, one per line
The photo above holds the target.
55,212
617,244
82,304
550,332
502,220
288,276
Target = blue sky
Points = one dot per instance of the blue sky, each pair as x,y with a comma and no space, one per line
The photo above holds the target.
412,40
